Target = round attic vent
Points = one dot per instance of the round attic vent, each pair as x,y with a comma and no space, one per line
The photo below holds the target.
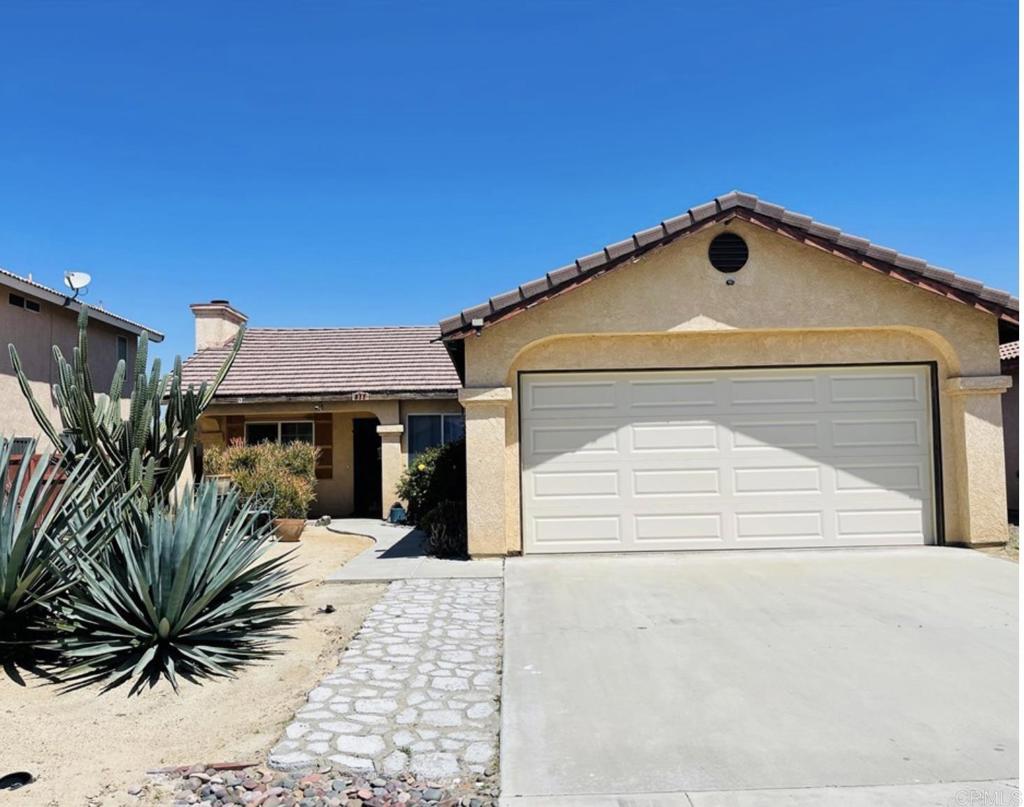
728,252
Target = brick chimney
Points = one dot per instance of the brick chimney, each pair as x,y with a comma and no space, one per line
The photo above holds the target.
216,323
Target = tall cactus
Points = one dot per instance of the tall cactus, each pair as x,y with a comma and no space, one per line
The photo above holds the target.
149,447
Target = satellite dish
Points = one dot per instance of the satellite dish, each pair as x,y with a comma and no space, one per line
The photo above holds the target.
77,281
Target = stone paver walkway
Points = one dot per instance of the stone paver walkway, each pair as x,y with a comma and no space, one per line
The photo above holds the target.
416,690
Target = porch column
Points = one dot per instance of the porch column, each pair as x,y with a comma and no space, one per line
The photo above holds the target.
981,476
391,465
486,409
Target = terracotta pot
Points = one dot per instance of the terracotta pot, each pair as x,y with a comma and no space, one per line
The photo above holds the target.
289,529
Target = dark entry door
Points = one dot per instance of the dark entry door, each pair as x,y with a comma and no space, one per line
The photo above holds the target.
366,467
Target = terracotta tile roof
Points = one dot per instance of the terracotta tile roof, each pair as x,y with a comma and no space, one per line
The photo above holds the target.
59,297
284,362
748,207
1009,350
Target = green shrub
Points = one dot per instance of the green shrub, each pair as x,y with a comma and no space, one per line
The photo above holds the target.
299,459
445,526
180,592
283,476
437,475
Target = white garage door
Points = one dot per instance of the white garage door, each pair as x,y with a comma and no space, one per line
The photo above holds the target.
634,461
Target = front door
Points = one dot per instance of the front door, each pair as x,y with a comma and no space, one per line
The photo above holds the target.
366,468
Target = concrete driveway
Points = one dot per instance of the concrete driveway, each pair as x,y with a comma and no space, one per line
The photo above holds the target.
752,677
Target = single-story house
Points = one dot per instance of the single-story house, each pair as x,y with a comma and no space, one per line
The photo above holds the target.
34,318
369,398
1009,355
738,376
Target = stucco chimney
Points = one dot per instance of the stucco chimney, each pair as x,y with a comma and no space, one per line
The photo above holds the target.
216,323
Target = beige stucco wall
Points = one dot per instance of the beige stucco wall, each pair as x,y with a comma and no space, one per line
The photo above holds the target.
215,324
335,495
1011,436
791,304
34,333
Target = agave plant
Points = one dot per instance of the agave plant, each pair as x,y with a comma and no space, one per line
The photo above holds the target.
53,520
149,447
181,593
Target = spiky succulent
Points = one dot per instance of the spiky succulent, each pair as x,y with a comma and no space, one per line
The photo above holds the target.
53,520
180,593
150,447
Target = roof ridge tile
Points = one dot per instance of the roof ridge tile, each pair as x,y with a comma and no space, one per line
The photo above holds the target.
643,239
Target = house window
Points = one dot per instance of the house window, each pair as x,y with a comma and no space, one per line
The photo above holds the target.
122,349
23,302
297,432
286,431
427,431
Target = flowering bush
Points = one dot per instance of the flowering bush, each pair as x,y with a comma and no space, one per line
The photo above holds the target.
283,475
435,476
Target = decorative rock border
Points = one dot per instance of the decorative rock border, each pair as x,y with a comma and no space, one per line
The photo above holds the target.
257,786
416,691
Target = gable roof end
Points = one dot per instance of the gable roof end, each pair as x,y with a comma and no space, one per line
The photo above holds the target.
745,206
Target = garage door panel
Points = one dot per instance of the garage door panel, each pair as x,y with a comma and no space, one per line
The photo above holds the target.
653,394
672,437
878,432
678,526
572,396
879,476
575,483
771,391
603,529
565,441
906,524
885,390
676,482
803,525
772,479
776,434
719,459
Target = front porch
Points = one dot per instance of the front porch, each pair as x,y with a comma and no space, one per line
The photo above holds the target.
364,444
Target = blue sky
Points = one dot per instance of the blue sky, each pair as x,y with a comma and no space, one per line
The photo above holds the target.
390,163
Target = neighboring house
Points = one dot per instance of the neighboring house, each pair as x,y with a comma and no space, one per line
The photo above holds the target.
1009,355
739,376
35,318
369,398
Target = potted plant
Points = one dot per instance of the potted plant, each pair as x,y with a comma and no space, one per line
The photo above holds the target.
292,497
282,476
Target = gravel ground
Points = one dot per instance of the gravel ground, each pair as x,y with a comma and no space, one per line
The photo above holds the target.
266,788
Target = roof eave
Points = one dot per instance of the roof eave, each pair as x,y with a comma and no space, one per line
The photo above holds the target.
334,397
65,301
722,210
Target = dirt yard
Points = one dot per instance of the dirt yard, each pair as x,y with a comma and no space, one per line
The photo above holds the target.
88,749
